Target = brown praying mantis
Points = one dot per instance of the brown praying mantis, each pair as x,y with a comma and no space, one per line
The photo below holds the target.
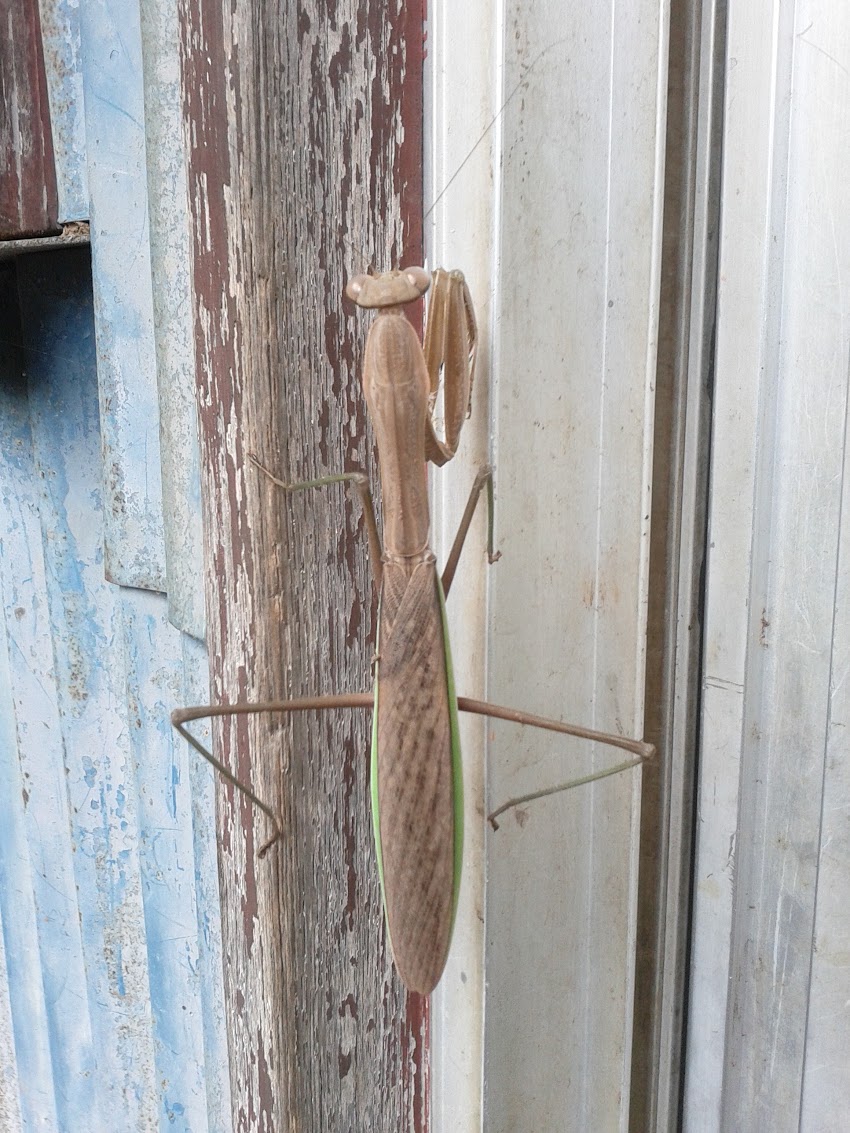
416,773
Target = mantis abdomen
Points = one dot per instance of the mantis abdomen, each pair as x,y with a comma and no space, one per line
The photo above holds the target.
416,779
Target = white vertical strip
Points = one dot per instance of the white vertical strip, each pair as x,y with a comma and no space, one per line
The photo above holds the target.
579,242
826,1083
576,144
769,987
462,105
809,827
741,299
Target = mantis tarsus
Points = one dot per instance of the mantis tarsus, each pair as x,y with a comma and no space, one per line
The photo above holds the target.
417,781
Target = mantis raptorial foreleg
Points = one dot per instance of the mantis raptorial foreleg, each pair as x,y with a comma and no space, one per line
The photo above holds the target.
416,775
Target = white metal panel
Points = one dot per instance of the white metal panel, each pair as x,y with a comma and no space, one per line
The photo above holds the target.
826,1083
819,221
568,315
742,293
767,1050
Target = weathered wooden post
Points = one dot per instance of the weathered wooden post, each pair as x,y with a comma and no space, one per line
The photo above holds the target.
304,129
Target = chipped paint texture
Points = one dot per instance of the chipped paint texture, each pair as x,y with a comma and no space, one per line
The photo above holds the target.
27,177
60,39
305,159
172,307
110,1005
117,180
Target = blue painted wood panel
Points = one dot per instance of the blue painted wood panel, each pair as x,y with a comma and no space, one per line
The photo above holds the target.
113,94
111,1005
60,37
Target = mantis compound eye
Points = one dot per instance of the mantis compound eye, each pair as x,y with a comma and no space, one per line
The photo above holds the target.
355,286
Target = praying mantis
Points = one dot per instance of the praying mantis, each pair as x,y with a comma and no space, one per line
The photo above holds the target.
416,773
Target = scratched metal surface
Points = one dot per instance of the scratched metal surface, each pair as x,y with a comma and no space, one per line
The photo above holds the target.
111,1004
574,323
770,967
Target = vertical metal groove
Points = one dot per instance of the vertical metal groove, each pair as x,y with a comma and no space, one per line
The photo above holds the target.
680,492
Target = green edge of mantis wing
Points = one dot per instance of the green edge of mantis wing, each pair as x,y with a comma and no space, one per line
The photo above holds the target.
457,766
373,778
457,762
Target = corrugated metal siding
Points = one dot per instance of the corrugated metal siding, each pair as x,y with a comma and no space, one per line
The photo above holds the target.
111,999
107,854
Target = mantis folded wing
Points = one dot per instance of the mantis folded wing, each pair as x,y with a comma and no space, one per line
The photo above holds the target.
417,781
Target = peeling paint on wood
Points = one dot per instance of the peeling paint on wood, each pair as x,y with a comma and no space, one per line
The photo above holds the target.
28,205
305,127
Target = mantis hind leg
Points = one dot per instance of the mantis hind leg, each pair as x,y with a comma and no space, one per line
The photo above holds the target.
641,750
180,717
483,480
